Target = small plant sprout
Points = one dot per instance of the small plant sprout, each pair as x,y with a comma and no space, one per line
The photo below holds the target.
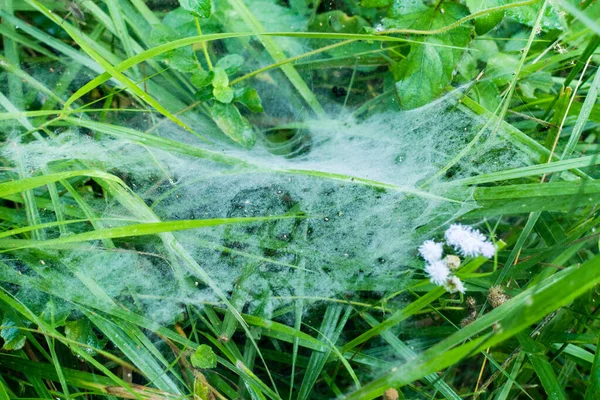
463,239
431,251
468,241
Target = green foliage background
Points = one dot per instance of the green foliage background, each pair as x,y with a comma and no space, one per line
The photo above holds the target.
251,73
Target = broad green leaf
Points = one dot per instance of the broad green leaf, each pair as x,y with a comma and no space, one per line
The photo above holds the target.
220,77
204,357
231,63
404,7
376,3
233,124
204,94
468,67
337,21
485,24
427,70
483,49
182,21
202,78
199,8
55,312
183,58
14,339
224,94
249,97
81,331
540,80
500,68
528,14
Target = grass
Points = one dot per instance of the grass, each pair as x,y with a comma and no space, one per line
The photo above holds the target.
67,334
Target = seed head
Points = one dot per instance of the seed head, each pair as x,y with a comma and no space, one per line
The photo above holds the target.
469,318
471,302
496,296
452,261
390,394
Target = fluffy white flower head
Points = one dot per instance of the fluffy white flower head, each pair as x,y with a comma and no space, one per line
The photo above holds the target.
437,272
431,251
468,241
488,249
454,285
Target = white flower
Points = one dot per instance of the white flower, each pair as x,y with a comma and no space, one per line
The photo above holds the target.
468,241
453,285
488,249
438,272
431,251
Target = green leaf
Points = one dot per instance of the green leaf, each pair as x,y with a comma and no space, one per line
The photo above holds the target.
233,124
224,94
337,21
143,229
51,310
201,389
202,78
468,67
528,14
542,367
81,331
182,21
220,77
183,58
198,8
249,97
405,7
3,393
231,63
540,80
55,312
483,50
204,357
500,68
427,70
485,24
486,94
376,3
14,339
204,94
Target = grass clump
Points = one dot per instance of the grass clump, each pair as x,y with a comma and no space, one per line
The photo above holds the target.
234,199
